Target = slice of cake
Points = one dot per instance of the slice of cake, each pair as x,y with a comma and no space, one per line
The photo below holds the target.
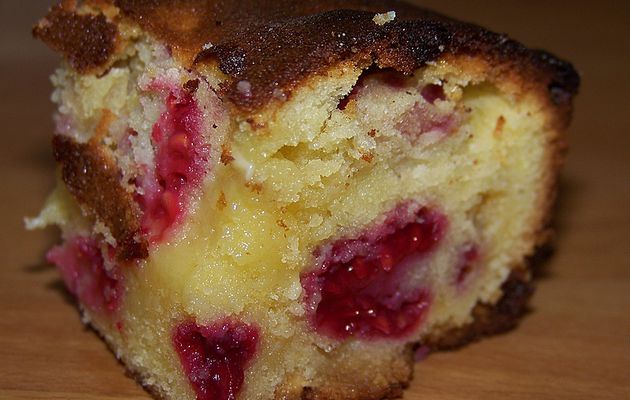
284,199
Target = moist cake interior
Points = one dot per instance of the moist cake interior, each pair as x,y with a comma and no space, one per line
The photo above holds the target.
313,242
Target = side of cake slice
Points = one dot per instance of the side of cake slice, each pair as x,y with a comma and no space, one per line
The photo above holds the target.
286,199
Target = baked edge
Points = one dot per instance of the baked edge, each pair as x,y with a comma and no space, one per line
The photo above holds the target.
488,320
87,41
94,180
247,41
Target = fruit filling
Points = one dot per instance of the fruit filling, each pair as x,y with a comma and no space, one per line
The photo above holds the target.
361,287
432,92
468,258
215,357
181,157
82,267
431,113
386,77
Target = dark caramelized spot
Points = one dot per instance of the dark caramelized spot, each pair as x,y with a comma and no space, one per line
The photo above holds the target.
221,201
321,41
87,41
226,155
248,41
93,178
191,86
215,357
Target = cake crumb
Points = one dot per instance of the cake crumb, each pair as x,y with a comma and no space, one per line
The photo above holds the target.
226,155
221,201
382,19
255,187
498,129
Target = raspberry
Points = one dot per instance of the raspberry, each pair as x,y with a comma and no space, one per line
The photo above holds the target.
180,165
465,266
360,289
214,357
431,93
82,267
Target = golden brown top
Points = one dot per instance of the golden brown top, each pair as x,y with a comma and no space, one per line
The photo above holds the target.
274,45
87,41
93,178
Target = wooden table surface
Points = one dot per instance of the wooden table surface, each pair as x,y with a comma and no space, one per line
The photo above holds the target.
575,344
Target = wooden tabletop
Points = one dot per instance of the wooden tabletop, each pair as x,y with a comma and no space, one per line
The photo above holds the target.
575,344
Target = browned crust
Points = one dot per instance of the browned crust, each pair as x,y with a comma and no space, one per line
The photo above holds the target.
87,41
248,40
326,39
94,180
391,391
490,319
487,320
